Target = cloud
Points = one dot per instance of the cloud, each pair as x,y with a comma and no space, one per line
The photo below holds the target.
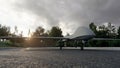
70,13
9,16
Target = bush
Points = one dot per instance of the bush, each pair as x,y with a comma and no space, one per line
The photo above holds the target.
98,43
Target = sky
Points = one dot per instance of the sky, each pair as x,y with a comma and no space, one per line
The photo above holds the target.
67,14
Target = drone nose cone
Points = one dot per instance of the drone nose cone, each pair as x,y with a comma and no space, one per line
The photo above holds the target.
82,33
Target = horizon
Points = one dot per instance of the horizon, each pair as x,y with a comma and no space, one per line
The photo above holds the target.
68,15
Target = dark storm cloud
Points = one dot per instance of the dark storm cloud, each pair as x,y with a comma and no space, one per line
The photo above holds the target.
75,12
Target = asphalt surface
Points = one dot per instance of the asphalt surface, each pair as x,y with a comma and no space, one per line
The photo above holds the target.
54,58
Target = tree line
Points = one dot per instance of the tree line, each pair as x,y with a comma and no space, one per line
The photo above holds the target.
55,31
105,31
102,31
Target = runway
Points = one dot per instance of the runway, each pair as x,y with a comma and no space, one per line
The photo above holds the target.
52,57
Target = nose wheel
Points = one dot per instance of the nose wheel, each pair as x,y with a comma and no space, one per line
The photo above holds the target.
83,44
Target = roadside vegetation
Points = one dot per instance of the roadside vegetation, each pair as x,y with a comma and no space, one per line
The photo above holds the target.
102,31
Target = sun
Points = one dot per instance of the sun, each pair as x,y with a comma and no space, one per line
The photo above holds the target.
27,35
30,36
25,32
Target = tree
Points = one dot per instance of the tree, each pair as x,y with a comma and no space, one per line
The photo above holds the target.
16,30
29,32
55,32
21,34
67,34
111,30
102,31
93,27
39,31
108,30
118,31
4,30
